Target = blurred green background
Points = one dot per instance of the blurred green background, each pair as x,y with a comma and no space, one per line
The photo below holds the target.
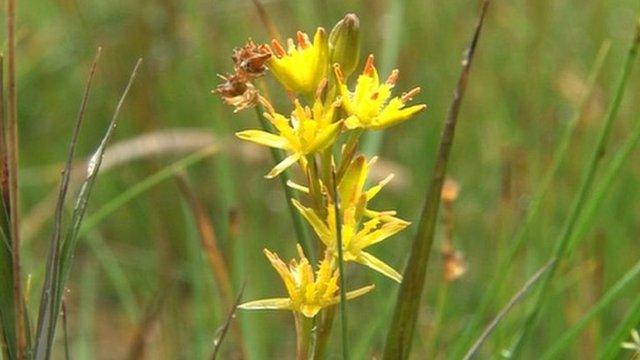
530,71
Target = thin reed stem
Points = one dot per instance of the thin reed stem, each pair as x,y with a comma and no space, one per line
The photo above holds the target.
400,333
510,304
534,207
343,280
14,194
588,179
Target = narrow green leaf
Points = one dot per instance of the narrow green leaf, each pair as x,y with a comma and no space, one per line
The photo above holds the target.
532,210
609,297
585,187
46,317
53,291
400,333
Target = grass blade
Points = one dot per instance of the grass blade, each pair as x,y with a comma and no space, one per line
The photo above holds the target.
138,347
611,295
215,257
534,207
217,342
67,247
47,312
630,320
14,194
609,176
585,187
510,304
141,187
400,335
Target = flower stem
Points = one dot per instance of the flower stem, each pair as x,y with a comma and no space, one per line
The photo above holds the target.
323,330
343,282
303,335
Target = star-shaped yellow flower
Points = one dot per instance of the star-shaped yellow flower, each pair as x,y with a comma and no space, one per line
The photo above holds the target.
301,68
308,294
369,105
357,232
308,131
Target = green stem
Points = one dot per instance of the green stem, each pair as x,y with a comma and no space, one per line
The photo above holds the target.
532,211
343,281
303,335
298,225
323,324
608,298
588,179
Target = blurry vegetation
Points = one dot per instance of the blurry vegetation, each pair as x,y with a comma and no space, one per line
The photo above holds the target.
529,74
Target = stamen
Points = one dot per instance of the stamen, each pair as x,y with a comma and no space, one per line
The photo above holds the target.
375,95
303,40
291,46
267,105
406,97
393,77
321,87
338,71
278,49
369,68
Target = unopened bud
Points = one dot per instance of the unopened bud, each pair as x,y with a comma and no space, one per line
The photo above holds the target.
344,43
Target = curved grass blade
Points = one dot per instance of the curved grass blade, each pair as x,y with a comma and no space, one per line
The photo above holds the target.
510,304
631,319
44,341
222,332
141,187
585,187
610,175
400,335
609,297
47,314
533,209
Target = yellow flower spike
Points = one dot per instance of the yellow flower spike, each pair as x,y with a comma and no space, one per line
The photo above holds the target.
369,106
308,294
307,131
301,68
355,237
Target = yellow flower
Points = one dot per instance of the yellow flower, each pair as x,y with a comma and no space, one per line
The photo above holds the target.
308,131
308,294
369,105
301,68
356,233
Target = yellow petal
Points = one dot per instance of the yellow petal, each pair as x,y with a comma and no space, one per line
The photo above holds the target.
321,229
390,227
378,265
353,181
283,271
354,293
283,165
326,137
296,186
374,190
390,116
267,304
263,138
353,122
310,310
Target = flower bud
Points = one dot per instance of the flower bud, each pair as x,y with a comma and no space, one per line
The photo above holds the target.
344,43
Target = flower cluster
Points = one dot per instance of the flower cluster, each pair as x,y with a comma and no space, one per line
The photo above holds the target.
320,138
